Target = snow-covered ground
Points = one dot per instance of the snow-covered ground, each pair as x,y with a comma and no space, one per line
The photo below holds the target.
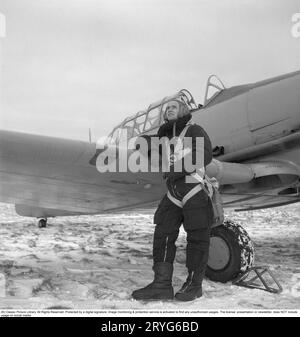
95,262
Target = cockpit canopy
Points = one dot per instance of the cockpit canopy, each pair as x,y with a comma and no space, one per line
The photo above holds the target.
147,120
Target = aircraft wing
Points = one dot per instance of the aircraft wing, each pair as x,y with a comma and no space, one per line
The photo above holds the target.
46,176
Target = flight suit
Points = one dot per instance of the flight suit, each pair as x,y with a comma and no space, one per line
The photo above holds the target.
196,215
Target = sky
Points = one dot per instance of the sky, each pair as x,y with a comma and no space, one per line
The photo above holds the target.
70,65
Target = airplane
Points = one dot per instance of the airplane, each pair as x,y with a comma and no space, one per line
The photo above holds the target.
255,133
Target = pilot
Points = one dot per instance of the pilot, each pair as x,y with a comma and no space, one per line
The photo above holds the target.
196,215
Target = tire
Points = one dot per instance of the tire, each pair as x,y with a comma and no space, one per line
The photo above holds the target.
231,252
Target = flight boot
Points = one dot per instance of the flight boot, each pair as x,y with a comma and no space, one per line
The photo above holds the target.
192,288
161,288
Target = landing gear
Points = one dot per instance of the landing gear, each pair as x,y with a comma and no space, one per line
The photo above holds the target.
231,252
42,223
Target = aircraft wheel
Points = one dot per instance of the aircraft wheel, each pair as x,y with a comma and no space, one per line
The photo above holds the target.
231,252
42,223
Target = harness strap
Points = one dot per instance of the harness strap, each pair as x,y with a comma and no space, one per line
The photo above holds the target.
191,193
188,196
178,149
194,190
174,200
206,183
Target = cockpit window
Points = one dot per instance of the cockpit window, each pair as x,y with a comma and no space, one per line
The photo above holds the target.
153,118
139,124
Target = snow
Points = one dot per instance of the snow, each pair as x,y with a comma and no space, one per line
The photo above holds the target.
95,262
